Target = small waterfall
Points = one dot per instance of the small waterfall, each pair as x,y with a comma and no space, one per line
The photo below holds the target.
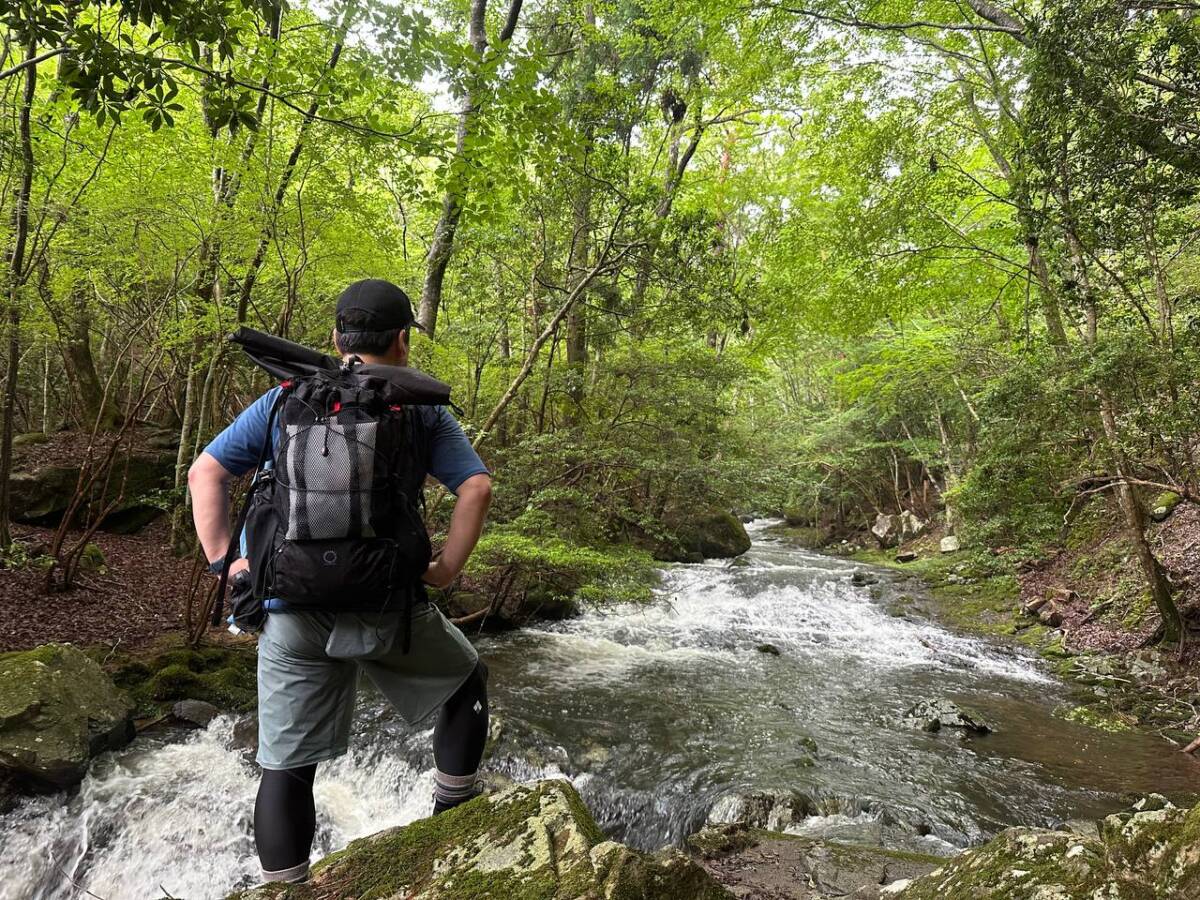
175,820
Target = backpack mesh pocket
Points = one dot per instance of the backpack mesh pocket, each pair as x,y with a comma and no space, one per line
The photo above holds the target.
329,470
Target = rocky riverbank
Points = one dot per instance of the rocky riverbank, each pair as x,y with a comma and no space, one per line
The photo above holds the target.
539,842
533,842
1149,851
1078,604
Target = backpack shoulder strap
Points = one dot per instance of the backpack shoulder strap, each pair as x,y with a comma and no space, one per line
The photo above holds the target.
255,483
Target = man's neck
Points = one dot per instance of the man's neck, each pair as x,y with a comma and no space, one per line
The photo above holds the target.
372,360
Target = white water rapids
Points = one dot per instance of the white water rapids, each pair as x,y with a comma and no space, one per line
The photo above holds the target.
653,712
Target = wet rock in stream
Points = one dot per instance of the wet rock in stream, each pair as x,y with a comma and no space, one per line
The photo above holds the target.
762,865
57,710
1151,850
934,715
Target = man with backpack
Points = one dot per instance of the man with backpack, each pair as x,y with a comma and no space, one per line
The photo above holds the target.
335,560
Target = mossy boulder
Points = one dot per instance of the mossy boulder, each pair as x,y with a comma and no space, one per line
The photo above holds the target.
57,710
1151,851
226,677
1164,504
41,494
533,842
30,439
695,536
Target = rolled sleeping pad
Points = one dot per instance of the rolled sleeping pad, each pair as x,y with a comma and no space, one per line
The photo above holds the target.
286,359
407,385
282,358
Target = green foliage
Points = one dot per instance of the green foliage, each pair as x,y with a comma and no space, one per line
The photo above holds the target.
842,270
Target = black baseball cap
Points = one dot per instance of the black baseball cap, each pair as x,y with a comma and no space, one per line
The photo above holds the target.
380,305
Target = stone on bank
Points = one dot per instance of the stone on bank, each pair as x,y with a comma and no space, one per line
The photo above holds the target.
1150,851
529,842
57,710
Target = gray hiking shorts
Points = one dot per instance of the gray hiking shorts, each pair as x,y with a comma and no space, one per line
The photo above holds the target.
308,671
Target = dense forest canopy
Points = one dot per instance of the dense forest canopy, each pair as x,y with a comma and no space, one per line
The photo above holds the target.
834,259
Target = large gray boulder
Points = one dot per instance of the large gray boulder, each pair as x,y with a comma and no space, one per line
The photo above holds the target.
41,493
526,842
57,710
886,530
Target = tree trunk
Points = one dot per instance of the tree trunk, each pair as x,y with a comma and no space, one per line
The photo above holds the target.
531,357
581,227
677,164
289,169
15,278
437,260
99,409
185,434
1135,521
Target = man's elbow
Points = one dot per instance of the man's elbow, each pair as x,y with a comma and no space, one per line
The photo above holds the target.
206,472
477,488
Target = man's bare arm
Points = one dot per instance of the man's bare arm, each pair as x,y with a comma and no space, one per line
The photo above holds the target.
208,482
466,524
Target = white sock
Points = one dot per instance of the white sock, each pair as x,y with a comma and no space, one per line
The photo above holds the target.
295,875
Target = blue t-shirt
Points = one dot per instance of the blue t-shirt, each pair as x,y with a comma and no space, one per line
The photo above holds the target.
451,458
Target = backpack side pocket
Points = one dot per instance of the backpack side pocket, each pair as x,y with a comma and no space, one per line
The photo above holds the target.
262,527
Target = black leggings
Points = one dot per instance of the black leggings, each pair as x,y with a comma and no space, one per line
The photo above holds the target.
284,816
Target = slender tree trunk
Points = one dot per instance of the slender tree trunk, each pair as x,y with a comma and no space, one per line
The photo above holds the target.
46,391
289,169
1135,520
1127,495
677,163
1014,173
437,260
1166,326
15,278
577,316
531,357
185,440
98,406
581,224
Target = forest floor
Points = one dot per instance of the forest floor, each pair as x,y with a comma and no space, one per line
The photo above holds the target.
1105,625
127,600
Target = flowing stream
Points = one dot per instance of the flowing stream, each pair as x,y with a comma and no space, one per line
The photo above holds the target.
654,713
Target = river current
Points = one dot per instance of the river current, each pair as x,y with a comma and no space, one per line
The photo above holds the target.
653,712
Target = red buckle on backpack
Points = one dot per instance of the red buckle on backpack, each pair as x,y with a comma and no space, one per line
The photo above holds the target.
337,406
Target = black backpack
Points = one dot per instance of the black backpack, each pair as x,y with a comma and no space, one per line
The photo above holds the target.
336,523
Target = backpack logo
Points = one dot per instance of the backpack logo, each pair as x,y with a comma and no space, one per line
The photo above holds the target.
330,557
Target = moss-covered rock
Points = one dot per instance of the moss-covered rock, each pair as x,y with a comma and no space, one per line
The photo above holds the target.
1164,504
57,710
41,494
1151,851
30,439
710,534
223,676
526,843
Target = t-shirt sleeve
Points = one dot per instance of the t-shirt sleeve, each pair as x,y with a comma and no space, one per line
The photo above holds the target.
452,460
238,446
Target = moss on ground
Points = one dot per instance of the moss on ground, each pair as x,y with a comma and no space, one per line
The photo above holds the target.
223,676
